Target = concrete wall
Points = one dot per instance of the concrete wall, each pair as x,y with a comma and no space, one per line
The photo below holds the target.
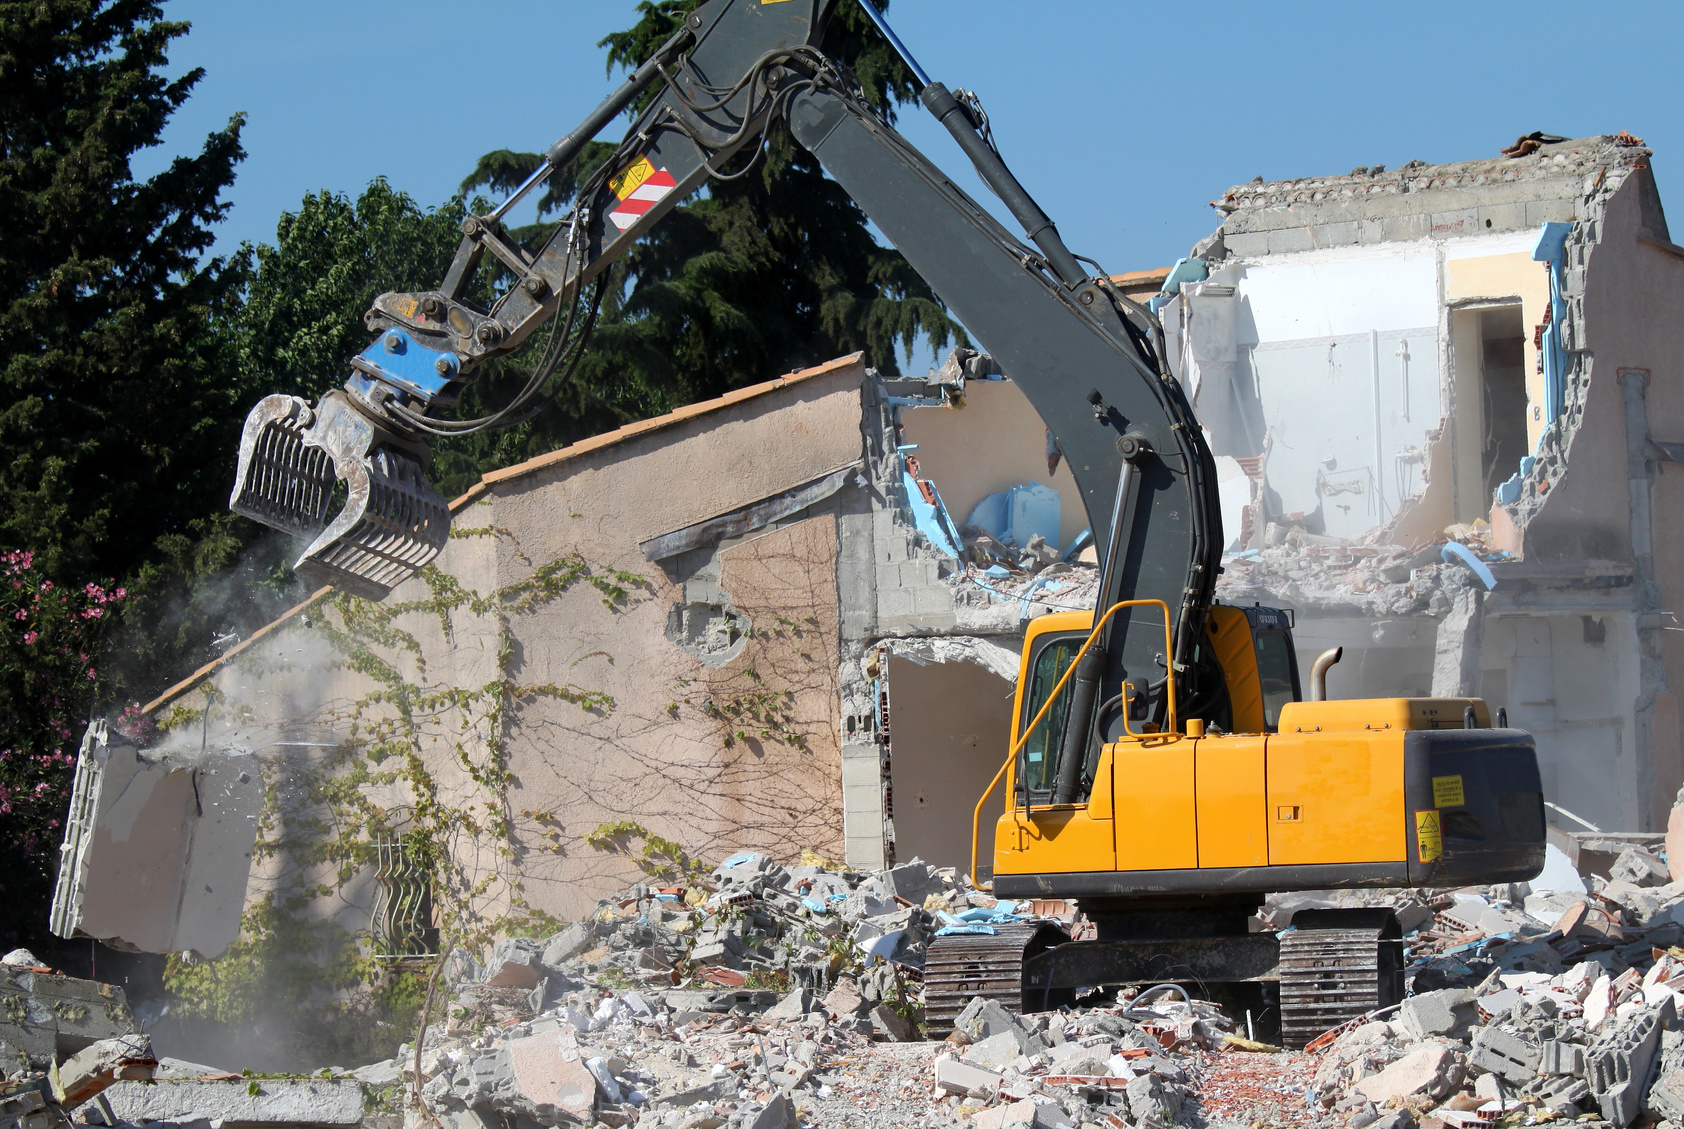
715,755
1568,679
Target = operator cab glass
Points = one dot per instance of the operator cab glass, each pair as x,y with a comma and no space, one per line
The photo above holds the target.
1277,661
1040,753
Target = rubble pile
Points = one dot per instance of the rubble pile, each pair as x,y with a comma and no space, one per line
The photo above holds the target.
768,996
1527,1005
1298,568
764,996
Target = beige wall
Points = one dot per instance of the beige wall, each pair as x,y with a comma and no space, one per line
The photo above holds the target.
1634,318
992,443
665,754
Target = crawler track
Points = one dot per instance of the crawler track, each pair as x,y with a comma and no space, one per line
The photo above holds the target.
1335,968
961,966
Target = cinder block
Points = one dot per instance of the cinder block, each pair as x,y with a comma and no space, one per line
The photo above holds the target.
865,825
1495,1050
1334,234
1550,211
1247,245
1621,1103
1624,1054
1501,217
861,772
932,601
1450,1011
894,603
1405,228
1286,240
1462,221
962,1078
1556,1057
1370,231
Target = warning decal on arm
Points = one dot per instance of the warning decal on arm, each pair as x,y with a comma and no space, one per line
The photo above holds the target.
1447,792
1429,839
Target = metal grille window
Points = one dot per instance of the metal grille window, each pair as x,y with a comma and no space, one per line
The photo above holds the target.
402,925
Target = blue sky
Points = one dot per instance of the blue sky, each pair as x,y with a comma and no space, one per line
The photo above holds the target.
1123,119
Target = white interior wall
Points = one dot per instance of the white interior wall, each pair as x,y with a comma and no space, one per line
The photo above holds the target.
949,733
1575,695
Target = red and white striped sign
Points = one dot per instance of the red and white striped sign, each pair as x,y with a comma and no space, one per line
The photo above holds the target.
639,188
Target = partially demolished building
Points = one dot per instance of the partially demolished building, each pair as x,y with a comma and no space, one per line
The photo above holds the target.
1441,400
1478,363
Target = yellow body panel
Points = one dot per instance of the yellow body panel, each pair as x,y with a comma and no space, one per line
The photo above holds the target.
1368,714
1231,797
1100,803
1335,797
1054,840
1326,789
1154,802
1230,638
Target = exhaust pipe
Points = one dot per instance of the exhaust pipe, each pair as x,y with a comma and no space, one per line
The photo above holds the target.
1318,672
291,456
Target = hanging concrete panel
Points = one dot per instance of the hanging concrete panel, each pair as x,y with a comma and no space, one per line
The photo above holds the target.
157,847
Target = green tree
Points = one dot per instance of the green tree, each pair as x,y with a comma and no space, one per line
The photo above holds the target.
116,415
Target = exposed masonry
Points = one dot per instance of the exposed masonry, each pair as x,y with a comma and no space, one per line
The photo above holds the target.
901,595
1579,605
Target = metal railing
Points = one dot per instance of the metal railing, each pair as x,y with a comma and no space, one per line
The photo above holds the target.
1017,746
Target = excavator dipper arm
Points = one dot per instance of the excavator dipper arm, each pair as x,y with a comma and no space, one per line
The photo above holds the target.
1079,351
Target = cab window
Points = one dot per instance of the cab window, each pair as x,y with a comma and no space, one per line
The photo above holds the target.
1277,674
1041,751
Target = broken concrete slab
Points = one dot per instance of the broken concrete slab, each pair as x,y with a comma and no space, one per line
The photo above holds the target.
1448,1012
44,1015
93,1069
1498,1052
1432,1070
157,849
305,1101
958,1077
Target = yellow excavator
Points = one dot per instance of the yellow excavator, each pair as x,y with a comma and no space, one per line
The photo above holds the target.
1165,774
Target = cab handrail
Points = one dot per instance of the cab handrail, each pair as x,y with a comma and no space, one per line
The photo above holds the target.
1017,746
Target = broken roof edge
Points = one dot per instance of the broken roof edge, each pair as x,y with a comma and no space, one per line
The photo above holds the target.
491,478
211,667
1556,161
655,423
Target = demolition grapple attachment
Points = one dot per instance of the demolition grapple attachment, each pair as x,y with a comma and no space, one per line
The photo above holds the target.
393,521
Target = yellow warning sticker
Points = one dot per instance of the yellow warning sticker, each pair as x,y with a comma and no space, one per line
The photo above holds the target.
1447,792
628,179
1429,839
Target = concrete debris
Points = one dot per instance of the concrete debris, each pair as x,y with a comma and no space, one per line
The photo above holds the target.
765,994
1524,1007
157,848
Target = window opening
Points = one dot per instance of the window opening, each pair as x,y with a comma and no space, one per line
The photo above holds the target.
1276,667
1503,400
402,924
